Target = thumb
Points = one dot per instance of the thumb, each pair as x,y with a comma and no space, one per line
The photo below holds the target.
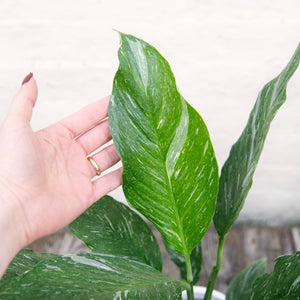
24,101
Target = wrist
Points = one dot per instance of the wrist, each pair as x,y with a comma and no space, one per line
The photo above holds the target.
12,231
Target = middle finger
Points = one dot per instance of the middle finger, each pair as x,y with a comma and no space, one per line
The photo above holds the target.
95,137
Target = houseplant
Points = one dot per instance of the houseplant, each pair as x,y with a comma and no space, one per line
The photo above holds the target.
171,177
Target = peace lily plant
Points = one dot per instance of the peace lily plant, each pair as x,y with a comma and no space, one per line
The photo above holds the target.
171,177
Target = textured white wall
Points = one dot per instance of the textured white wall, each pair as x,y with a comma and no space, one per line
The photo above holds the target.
222,53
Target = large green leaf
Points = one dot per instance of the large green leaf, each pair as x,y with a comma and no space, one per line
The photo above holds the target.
238,170
110,227
240,287
24,261
195,258
91,276
170,171
282,284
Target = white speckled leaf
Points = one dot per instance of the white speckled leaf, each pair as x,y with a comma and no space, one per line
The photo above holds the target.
170,171
237,172
282,284
111,227
91,276
23,262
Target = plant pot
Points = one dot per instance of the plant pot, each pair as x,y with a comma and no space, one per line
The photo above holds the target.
199,292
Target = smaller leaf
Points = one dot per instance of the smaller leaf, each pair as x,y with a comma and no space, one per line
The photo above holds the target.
238,171
282,284
240,286
110,227
179,260
91,276
23,262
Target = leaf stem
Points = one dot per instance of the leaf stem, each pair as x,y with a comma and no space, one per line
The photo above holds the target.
215,269
189,278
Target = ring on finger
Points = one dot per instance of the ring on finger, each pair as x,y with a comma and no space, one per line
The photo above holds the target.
95,165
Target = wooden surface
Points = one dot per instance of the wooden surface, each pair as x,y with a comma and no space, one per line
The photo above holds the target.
244,245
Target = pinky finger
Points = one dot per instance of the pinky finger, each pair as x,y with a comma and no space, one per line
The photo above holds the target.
107,183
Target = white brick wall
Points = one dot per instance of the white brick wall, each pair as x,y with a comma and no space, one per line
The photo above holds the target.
222,53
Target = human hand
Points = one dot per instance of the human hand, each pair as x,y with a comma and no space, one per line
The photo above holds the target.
45,177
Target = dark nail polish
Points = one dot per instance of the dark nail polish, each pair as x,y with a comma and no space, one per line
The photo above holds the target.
27,78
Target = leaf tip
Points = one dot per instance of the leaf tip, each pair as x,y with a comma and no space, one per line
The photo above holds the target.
121,34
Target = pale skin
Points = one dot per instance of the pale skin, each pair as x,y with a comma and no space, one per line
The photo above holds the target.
45,177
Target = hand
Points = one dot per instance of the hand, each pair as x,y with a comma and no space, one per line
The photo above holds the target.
45,177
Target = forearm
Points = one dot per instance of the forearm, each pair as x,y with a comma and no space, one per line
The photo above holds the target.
11,231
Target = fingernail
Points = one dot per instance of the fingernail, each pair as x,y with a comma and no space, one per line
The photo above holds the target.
27,78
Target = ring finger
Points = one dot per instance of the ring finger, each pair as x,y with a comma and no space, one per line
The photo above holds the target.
104,159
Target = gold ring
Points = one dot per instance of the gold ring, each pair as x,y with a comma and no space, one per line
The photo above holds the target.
95,165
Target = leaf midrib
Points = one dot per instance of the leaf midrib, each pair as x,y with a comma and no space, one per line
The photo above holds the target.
168,175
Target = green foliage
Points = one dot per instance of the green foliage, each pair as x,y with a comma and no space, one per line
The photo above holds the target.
110,227
170,171
179,260
171,177
240,286
89,276
282,284
24,262
237,172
